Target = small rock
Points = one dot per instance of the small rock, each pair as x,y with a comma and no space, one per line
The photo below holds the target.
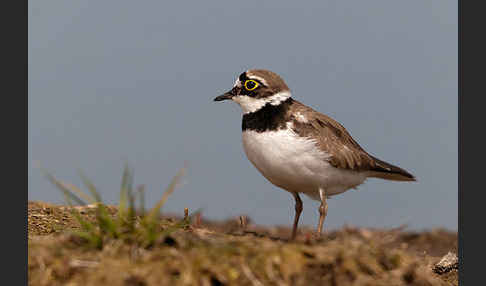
447,263
365,233
82,263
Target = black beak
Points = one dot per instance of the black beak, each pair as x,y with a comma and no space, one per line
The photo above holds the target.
227,95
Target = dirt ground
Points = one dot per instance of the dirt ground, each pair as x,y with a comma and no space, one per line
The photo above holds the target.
232,253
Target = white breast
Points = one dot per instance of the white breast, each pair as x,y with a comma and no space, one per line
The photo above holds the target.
295,163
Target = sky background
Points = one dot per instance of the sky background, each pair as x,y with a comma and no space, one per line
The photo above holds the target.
133,81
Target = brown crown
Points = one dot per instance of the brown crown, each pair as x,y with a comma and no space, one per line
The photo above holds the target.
271,82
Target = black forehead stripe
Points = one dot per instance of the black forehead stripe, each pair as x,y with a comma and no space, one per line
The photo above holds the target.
242,77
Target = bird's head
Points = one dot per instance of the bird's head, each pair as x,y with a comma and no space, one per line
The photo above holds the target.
254,89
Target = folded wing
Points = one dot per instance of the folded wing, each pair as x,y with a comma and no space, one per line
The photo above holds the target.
344,151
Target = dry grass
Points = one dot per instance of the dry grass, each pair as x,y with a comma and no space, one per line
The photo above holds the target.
225,253
123,245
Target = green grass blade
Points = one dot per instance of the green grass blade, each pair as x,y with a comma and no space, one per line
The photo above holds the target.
75,190
152,234
106,222
93,240
64,189
122,205
124,193
89,231
85,224
141,193
91,187
131,202
155,211
125,225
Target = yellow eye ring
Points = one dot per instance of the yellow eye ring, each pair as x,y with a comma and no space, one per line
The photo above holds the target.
249,84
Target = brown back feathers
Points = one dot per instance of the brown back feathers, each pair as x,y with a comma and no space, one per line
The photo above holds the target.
334,139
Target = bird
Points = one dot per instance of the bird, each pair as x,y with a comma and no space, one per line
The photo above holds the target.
297,148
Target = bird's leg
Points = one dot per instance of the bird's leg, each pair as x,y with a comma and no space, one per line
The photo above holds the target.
322,211
298,210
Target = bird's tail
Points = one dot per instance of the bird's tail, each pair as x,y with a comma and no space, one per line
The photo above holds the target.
387,171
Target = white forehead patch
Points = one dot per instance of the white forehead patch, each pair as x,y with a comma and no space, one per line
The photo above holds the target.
237,83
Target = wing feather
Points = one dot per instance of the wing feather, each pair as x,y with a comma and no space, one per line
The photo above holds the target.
344,151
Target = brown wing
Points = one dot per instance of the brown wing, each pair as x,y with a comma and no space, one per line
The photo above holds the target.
335,140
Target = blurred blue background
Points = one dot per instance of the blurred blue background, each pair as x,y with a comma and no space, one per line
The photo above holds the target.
133,81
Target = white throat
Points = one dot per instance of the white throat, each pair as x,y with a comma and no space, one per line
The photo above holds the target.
249,104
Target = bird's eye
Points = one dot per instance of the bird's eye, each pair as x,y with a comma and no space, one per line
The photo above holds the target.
251,84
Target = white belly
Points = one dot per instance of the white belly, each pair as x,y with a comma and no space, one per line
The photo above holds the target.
296,164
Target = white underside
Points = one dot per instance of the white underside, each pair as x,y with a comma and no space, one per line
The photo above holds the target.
295,164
